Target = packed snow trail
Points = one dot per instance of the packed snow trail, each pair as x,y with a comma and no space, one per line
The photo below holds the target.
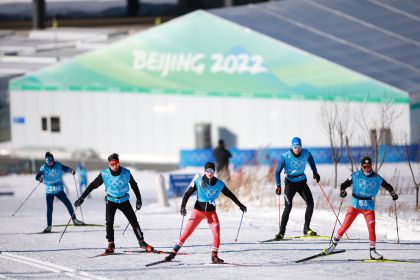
247,258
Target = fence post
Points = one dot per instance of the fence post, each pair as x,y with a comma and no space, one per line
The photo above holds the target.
161,190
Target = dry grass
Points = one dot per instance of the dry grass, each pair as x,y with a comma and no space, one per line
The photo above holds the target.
256,184
250,184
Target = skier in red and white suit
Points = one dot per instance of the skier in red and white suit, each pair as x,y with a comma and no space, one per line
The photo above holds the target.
208,190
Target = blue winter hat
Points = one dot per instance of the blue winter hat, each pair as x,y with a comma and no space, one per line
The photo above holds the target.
296,141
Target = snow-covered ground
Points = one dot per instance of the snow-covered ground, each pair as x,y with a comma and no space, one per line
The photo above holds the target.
26,255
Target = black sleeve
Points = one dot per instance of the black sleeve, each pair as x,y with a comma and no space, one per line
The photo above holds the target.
93,185
134,187
230,194
38,175
66,169
387,186
347,183
187,195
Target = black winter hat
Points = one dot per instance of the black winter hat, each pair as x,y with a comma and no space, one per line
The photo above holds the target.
366,160
209,165
49,156
112,157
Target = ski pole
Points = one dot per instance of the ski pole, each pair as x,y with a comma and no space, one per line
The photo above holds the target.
71,217
128,224
26,199
335,224
182,224
396,221
240,223
77,192
279,213
322,189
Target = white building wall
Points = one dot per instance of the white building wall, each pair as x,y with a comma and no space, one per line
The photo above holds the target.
153,127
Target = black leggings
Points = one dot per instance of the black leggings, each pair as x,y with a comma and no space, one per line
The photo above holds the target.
290,190
50,202
125,207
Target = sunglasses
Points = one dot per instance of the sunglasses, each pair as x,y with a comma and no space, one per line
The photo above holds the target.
114,163
297,147
209,170
366,166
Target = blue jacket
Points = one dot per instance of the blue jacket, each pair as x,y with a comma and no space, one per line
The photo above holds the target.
53,176
116,187
209,193
294,166
365,187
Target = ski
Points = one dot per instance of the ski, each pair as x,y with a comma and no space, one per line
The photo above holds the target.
105,254
152,252
384,261
41,232
156,263
311,237
296,237
229,264
319,255
274,240
83,225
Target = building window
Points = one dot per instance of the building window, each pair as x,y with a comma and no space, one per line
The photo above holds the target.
55,124
373,137
386,136
44,124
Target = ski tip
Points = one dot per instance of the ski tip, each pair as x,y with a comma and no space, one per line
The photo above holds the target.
155,263
321,254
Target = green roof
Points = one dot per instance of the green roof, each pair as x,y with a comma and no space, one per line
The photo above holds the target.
204,55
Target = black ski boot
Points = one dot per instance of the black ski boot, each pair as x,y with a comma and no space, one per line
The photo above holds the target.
47,229
111,248
171,256
309,232
146,246
215,258
279,236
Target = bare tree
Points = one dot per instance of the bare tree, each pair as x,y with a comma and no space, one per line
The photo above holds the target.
349,155
335,122
377,128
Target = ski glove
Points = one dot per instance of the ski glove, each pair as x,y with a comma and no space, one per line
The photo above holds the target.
394,195
278,190
138,204
41,179
243,208
317,177
78,202
183,211
343,193
73,172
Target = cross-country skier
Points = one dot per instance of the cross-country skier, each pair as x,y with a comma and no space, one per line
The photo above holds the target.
208,190
81,176
294,163
366,185
116,180
51,174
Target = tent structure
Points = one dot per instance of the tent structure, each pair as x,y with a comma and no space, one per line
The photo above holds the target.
145,95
